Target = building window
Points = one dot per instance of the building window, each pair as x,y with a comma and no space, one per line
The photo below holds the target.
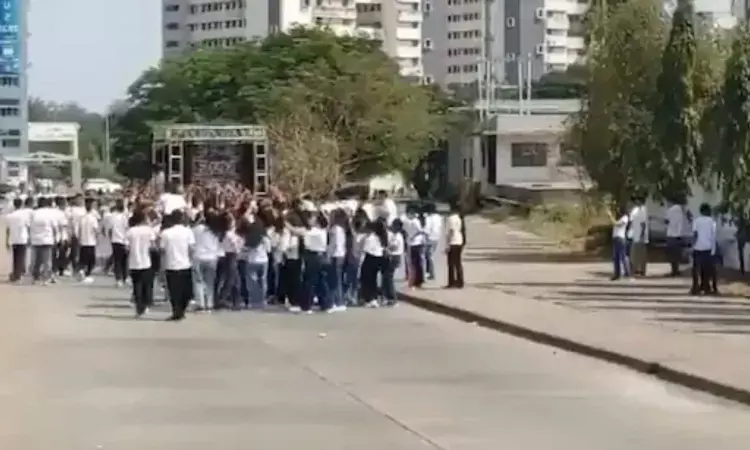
173,26
11,143
428,44
568,156
528,154
9,102
172,44
427,7
510,22
171,8
10,112
9,81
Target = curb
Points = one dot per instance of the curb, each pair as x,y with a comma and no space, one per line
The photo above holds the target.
654,369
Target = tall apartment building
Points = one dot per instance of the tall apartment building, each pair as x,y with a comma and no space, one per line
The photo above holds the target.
190,24
470,35
14,125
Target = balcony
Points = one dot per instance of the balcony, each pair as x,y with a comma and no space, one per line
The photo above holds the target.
335,12
410,16
371,33
408,34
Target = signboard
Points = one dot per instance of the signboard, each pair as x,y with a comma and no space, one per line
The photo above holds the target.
219,133
10,37
216,163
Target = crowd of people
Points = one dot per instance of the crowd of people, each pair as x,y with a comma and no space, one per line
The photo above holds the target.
220,247
686,235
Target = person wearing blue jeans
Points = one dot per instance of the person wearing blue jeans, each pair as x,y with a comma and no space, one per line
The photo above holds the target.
314,277
336,256
393,255
254,269
620,259
433,233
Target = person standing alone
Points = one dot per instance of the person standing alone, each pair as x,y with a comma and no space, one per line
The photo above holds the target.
455,240
140,239
177,243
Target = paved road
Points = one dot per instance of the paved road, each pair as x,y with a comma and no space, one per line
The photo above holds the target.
77,373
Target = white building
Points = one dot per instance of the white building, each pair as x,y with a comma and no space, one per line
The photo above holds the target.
189,24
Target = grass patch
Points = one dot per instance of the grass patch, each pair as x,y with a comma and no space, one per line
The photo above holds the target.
577,228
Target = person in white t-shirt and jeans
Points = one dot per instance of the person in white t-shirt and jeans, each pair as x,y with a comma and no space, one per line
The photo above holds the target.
177,243
704,251
620,258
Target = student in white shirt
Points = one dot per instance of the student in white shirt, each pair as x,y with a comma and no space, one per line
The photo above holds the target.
43,237
76,212
254,256
116,227
620,261
704,249
433,233
229,276
290,276
17,224
139,240
177,243
415,239
87,232
336,257
640,238
374,248
206,256
394,254
60,259
315,243
675,220
171,201
455,229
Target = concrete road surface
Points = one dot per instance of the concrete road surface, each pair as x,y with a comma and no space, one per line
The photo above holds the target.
76,373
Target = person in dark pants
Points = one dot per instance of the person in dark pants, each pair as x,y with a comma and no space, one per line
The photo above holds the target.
392,261
315,242
704,251
62,248
17,238
455,240
373,248
176,243
117,228
416,237
290,282
140,240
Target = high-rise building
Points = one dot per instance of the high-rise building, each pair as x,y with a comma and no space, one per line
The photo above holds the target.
472,35
190,24
13,77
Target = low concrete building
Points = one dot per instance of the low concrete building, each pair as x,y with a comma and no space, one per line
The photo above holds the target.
520,156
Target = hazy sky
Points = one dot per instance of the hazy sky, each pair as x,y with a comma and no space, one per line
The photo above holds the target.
89,51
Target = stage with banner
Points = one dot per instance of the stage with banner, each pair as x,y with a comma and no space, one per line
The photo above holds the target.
206,154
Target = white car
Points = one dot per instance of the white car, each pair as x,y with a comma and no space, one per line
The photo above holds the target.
102,184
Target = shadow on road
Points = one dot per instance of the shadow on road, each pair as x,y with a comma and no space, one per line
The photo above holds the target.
117,317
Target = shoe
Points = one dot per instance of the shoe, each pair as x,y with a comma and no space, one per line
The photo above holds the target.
295,309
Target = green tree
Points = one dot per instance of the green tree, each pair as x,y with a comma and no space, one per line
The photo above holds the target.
612,132
676,116
346,86
733,156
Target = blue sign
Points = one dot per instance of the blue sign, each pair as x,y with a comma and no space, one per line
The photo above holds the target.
10,37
